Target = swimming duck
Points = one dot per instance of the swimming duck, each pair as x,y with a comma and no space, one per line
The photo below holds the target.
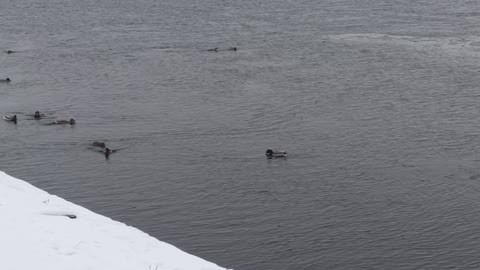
10,51
64,122
99,144
105,150
11,118
6,80
275,154
109,151
38,115
212,50
232,48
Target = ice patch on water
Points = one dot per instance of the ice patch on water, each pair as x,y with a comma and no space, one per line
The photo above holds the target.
456,46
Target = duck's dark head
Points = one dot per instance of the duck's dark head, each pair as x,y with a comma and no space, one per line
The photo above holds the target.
72,121
107,152
37,114
269,153
7,79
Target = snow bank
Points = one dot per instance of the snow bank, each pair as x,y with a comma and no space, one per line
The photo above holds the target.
43,231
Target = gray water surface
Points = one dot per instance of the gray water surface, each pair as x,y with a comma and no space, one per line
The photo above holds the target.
376,102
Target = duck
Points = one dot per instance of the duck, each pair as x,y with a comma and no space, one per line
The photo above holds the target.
275,154
10,51
99,144
107,151
104,149
212,50
38,115
6,80
64,122
11,118
232,48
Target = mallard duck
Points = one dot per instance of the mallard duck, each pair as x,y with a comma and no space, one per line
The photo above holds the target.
99,144
38,115
64,122
275,154
10,118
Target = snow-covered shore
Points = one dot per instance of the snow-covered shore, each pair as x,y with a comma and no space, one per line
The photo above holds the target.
43,231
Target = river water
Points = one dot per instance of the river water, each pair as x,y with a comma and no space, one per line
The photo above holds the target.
375,101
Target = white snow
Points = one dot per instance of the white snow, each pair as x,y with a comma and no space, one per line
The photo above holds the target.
35,233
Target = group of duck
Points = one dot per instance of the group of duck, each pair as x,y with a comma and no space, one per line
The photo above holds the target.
101,145
37,116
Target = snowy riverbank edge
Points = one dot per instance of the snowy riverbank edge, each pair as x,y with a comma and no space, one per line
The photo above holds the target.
42,231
